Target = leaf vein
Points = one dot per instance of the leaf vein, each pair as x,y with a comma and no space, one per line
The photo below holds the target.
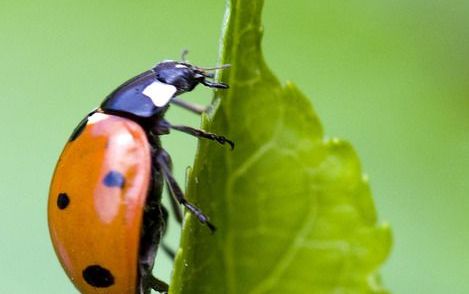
265,285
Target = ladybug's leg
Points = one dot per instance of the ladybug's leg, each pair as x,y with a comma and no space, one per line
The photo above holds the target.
153,226
203,134
162,158
174,203
162,127
195,108
168,250
151,282
175,208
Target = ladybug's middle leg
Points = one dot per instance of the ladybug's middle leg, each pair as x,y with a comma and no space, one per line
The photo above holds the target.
162,158
174,203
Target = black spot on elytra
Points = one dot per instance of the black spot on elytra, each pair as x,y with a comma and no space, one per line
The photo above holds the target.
114,179
79,129
63,200
98,276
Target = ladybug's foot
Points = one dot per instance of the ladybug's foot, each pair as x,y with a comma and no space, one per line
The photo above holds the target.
199,214
163,161
203,134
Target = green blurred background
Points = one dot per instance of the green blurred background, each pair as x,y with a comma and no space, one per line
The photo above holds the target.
390,76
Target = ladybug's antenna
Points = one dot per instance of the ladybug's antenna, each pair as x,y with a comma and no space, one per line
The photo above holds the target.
211,74
184,55
223,66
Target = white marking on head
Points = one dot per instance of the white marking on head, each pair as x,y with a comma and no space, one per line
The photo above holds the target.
181,66
160,93
96,117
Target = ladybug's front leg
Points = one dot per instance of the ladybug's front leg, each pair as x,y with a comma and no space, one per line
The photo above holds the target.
164,162
195,108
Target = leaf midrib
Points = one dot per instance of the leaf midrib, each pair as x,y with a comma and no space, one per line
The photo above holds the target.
229,268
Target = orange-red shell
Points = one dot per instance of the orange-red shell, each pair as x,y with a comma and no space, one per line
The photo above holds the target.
96,204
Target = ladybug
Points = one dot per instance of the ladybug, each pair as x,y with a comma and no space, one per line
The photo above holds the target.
104,212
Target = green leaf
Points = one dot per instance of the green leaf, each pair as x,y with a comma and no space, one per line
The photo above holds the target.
293,211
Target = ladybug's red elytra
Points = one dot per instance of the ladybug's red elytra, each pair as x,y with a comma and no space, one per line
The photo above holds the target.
104,212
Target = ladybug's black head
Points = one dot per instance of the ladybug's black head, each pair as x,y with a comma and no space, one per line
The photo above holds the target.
149,93
185,76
